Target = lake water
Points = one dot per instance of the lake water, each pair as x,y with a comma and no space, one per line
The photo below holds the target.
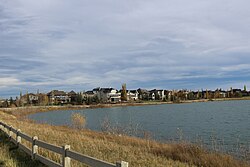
221,125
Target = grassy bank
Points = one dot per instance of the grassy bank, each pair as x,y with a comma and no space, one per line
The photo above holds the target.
11,156
112,148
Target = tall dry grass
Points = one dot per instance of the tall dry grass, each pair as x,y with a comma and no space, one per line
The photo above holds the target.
10,156
112,148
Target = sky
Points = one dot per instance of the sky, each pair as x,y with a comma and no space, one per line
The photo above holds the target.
82,44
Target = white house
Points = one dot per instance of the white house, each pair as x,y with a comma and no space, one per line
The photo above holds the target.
132,95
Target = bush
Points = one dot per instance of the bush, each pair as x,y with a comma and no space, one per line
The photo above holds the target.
78,121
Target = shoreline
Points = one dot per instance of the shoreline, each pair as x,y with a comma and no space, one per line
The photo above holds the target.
27,110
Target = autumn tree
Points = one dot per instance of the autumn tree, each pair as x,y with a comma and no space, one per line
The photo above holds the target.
124,93
207,94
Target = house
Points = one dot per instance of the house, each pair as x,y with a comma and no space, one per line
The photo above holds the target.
96,90
72,96
89,97
168,95
191,95
143,94
197,94
156,94
236,92
115,96
132,95
106,95
33,98
3,103
58,97
29,98
208,94
182,94
172,95
204,94
43,99
223,94
152,95
87,94
245,93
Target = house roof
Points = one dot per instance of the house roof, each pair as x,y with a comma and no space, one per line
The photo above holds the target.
72,93
107,90
89,92
156,90
142,90
32,94
57,93
236,90
96,89
133,91
29,94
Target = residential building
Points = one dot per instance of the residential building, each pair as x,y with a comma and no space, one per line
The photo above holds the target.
58,97
156,94
106,95
3,103
132,95
72,96
143,94
29,99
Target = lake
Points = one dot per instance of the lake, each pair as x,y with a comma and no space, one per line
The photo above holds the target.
223,125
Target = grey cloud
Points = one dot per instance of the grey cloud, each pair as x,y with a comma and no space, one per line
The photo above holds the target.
83,44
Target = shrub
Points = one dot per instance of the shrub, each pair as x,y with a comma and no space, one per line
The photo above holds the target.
78,121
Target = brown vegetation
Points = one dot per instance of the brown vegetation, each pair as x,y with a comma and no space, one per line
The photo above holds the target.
78,121
11,156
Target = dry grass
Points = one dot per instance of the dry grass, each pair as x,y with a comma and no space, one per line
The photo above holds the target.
113,148
10,156
21,112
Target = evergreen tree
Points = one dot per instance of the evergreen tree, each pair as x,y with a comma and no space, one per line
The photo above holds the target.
79,98
27,98
11,101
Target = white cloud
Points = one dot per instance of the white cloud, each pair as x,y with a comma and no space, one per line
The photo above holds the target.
235,68
9,81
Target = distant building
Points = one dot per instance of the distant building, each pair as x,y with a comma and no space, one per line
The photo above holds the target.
87,94
106,95
143,94
132,95
43,99
237,92
3,103
58,97
72,97
156,94
29,99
